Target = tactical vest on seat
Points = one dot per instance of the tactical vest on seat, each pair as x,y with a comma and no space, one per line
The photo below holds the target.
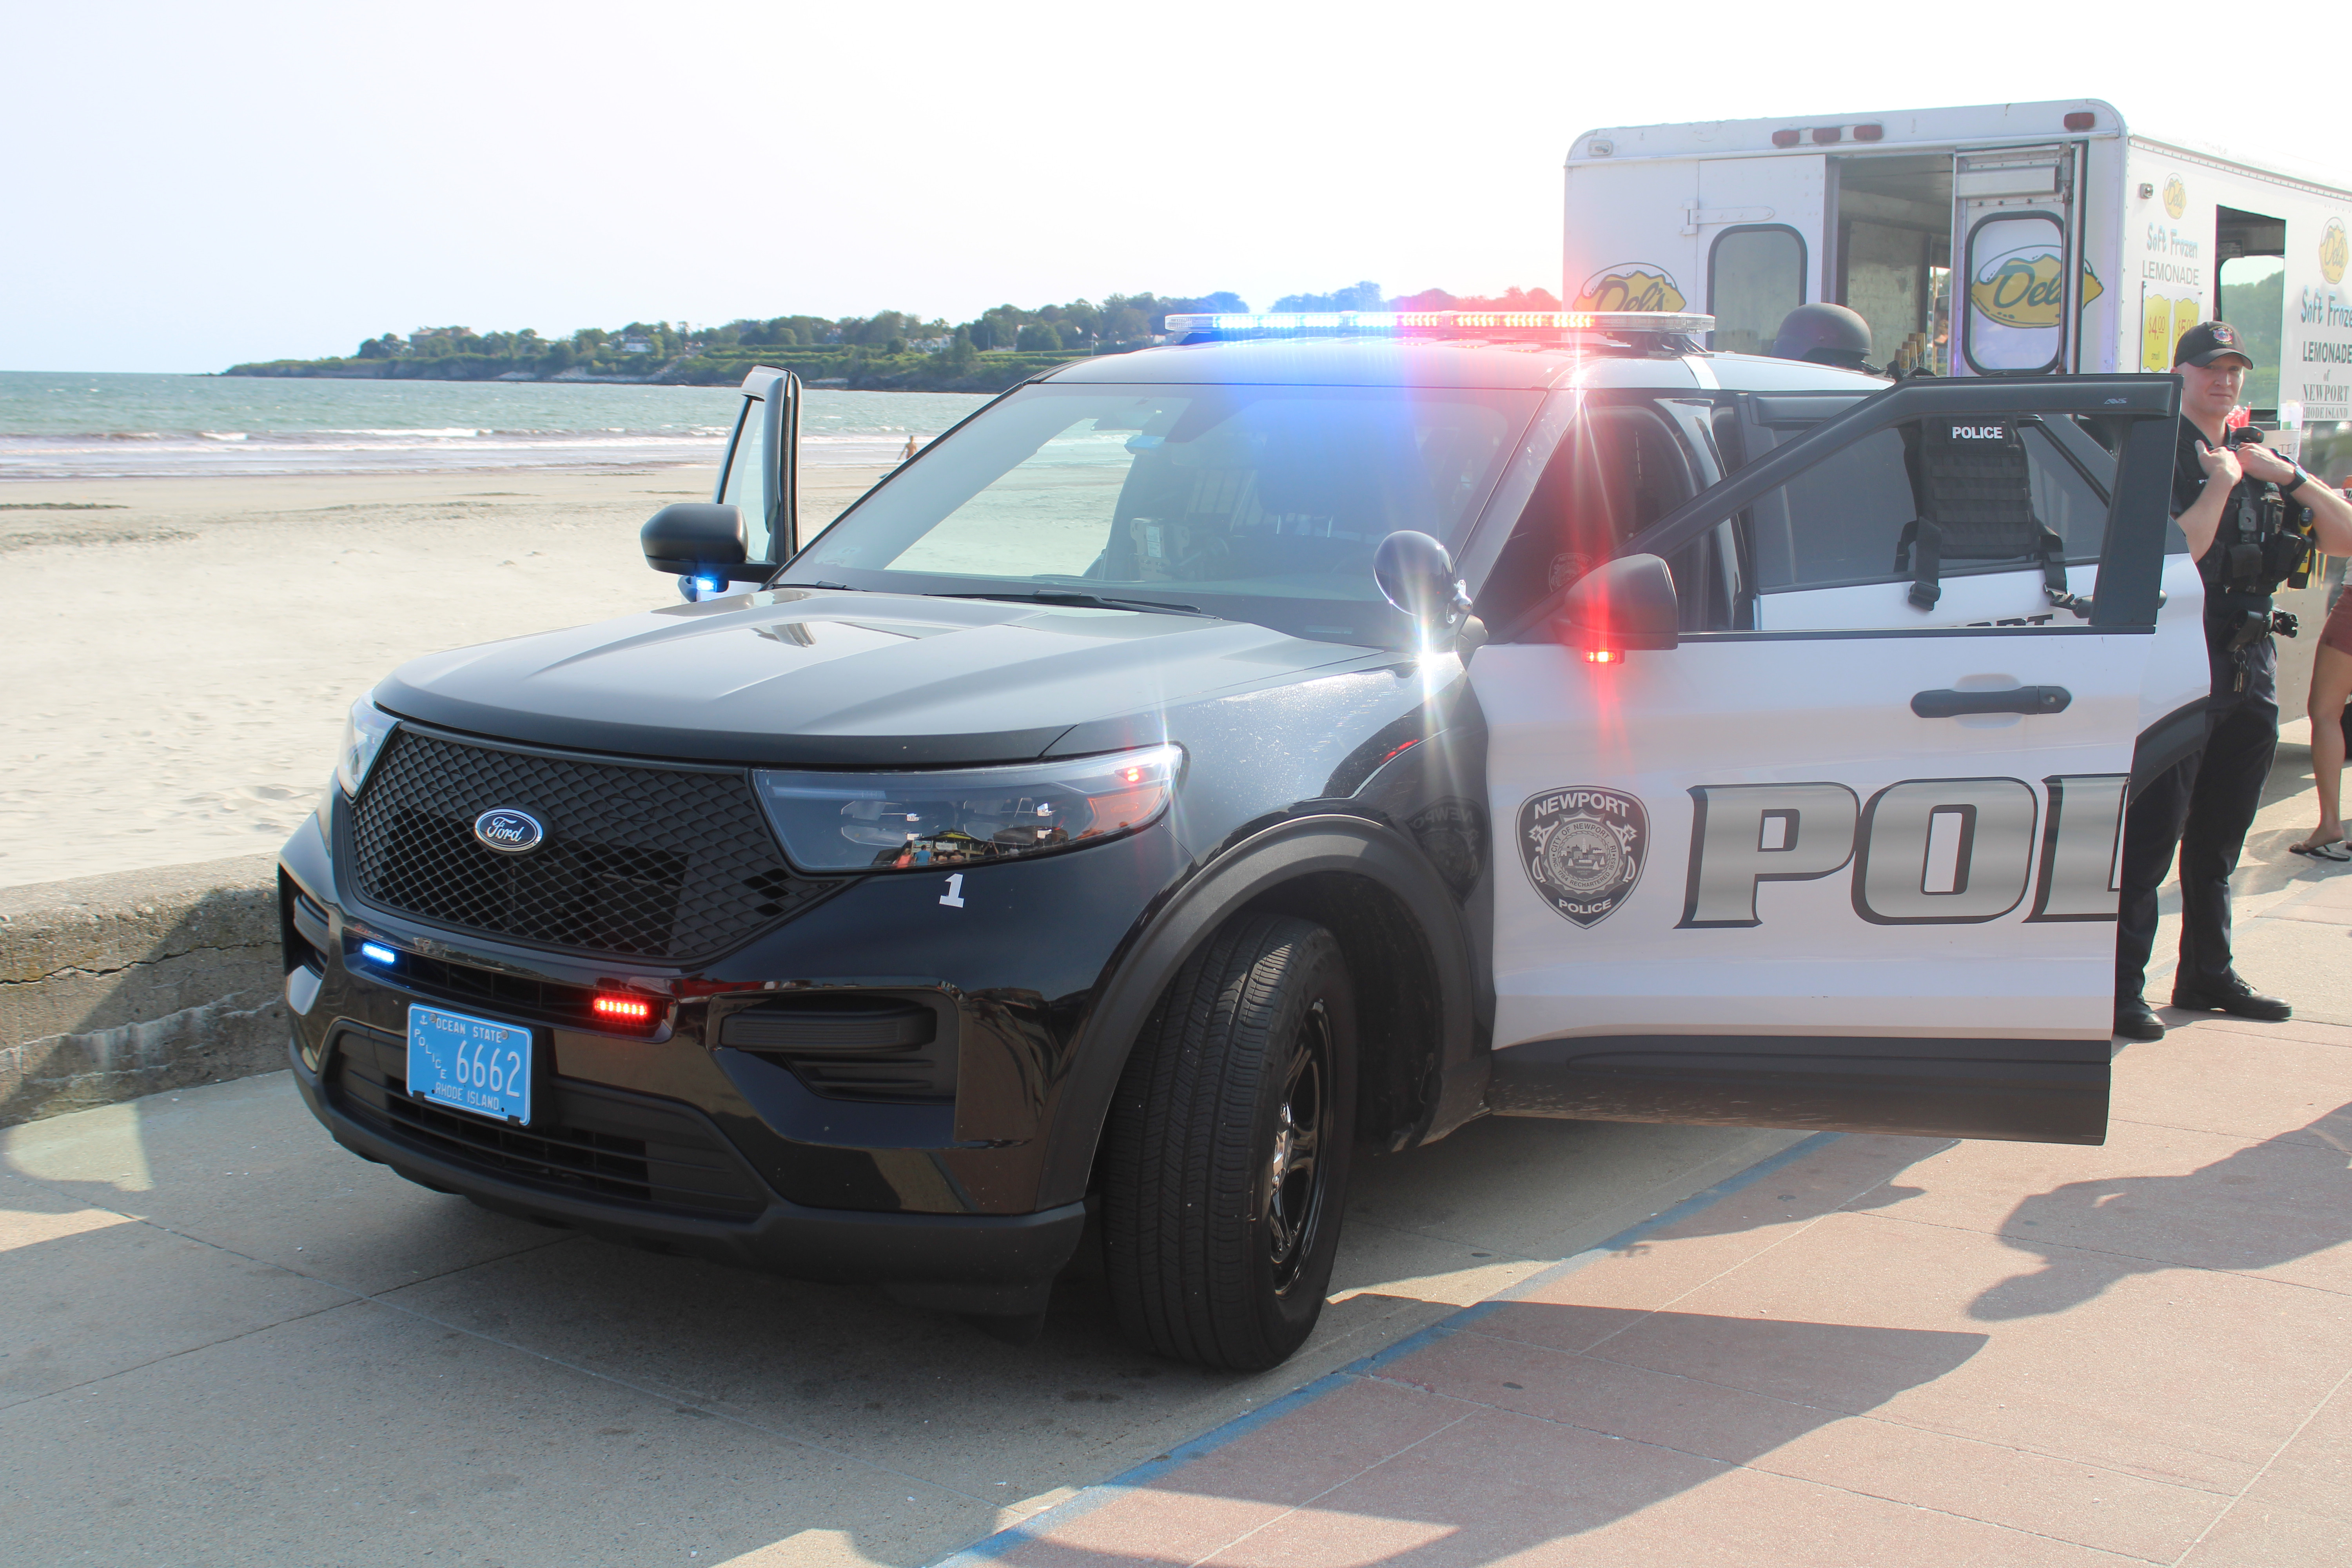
1974,494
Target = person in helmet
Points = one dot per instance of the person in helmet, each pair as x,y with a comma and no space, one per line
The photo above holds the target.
1825,334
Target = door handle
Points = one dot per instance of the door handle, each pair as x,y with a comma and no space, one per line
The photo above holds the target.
1948,704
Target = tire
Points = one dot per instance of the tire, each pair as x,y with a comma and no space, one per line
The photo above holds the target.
1213,1253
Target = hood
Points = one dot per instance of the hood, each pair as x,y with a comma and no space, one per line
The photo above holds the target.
799,676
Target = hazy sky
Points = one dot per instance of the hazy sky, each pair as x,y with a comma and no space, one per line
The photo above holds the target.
192,186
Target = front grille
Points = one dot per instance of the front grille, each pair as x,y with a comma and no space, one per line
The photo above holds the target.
599,1161
587,1142
648,862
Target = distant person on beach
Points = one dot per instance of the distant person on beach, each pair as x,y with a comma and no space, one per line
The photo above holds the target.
910,451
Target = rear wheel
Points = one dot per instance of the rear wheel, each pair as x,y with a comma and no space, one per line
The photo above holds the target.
1225,1159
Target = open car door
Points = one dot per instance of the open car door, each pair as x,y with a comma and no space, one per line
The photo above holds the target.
1858,876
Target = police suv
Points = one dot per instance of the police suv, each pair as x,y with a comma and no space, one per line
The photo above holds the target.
1207,765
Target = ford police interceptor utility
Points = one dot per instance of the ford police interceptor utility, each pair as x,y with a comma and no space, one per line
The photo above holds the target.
1205,764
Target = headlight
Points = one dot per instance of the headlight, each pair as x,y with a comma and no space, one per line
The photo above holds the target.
364,734
901,821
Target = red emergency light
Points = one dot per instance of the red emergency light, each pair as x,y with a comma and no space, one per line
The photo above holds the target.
624,1010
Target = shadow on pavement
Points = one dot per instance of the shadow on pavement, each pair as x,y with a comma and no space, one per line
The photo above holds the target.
2261,1206
1529,1446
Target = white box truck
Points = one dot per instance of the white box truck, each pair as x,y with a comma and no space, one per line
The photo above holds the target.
1991,239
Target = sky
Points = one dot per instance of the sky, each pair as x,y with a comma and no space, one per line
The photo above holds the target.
193,185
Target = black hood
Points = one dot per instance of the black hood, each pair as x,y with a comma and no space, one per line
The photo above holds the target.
799,676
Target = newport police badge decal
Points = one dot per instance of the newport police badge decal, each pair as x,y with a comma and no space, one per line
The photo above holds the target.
1584,850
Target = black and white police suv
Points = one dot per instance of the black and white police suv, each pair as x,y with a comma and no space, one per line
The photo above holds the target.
1207,765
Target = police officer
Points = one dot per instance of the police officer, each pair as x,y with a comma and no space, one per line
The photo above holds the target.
2239,508
1825,334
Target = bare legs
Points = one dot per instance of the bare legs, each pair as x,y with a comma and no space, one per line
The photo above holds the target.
2331,688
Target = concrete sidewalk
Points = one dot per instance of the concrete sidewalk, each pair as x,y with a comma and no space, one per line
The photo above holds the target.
1877,1350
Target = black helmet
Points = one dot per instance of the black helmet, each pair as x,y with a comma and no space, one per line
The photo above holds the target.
1824,335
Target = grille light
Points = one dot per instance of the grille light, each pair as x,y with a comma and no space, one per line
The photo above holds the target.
624,1010
376,952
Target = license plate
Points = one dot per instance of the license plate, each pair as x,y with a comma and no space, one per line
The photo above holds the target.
475,1065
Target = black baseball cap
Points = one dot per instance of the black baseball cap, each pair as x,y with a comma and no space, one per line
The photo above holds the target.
2206,342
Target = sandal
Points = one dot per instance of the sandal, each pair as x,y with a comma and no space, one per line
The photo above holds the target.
2321,851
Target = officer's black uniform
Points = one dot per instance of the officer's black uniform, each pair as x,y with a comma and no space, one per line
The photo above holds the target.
2206,803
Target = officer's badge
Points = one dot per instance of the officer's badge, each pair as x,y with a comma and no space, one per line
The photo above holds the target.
1584,850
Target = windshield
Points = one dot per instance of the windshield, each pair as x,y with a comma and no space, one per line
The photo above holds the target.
1258,503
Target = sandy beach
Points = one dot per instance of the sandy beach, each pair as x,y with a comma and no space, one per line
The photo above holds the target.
180,652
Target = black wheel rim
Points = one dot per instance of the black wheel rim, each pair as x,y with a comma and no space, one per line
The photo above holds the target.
1292,1196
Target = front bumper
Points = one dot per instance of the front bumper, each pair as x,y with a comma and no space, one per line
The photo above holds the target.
976,1263
669,1141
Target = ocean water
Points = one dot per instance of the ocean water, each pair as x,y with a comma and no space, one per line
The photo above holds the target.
63,425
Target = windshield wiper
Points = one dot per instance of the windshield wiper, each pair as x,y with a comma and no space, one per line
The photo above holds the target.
1086,601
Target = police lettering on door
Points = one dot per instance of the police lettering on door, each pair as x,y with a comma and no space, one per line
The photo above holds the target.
1957,851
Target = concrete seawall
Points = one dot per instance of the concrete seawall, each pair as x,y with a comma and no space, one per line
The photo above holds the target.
112,987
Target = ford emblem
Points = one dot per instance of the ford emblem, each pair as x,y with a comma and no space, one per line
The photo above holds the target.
508,831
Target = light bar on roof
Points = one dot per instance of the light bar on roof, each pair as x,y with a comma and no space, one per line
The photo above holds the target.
1463,322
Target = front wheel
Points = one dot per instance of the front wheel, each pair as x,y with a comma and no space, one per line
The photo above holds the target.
1225,1157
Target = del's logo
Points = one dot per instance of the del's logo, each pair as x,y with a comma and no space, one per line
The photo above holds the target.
2333,252
508,831
2176,196
1630,286
1583,850
2024,287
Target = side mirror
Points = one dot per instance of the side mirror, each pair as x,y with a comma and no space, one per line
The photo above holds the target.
1628,602
1416,576
701,538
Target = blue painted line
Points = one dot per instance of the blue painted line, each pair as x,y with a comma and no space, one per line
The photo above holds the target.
1118,1486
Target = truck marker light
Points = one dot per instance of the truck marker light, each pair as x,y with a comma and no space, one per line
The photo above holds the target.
376,952
626,1009
1825,134
1870,132
2081,119
1603,656
1785,138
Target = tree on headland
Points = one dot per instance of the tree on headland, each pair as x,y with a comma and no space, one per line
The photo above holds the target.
995,349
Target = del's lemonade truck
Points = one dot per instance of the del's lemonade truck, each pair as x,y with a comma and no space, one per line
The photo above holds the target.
1987,240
